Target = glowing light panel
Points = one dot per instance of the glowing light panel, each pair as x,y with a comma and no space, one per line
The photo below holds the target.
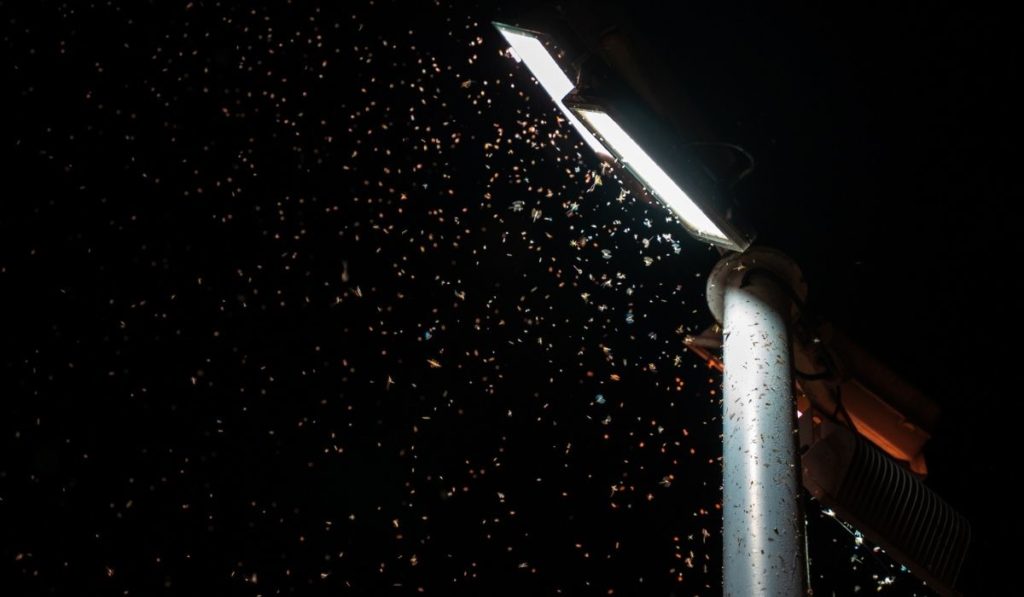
530,50
627,151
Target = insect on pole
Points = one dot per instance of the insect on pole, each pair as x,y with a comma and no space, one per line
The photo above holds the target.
752,296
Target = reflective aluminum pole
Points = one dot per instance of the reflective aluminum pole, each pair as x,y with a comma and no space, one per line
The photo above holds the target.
751,295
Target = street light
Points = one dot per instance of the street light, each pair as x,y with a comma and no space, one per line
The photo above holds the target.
762,522
762,519
756,294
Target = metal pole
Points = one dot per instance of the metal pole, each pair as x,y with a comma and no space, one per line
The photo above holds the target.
751,294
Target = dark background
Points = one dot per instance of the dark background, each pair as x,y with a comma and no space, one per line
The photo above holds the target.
317,299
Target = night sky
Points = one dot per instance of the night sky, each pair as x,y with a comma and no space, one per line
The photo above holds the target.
325,298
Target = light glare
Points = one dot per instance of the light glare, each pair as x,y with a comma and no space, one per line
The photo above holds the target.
653,177
543,67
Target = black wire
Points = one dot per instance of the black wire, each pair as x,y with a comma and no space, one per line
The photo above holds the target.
826,374
751,162
830,367
837,395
